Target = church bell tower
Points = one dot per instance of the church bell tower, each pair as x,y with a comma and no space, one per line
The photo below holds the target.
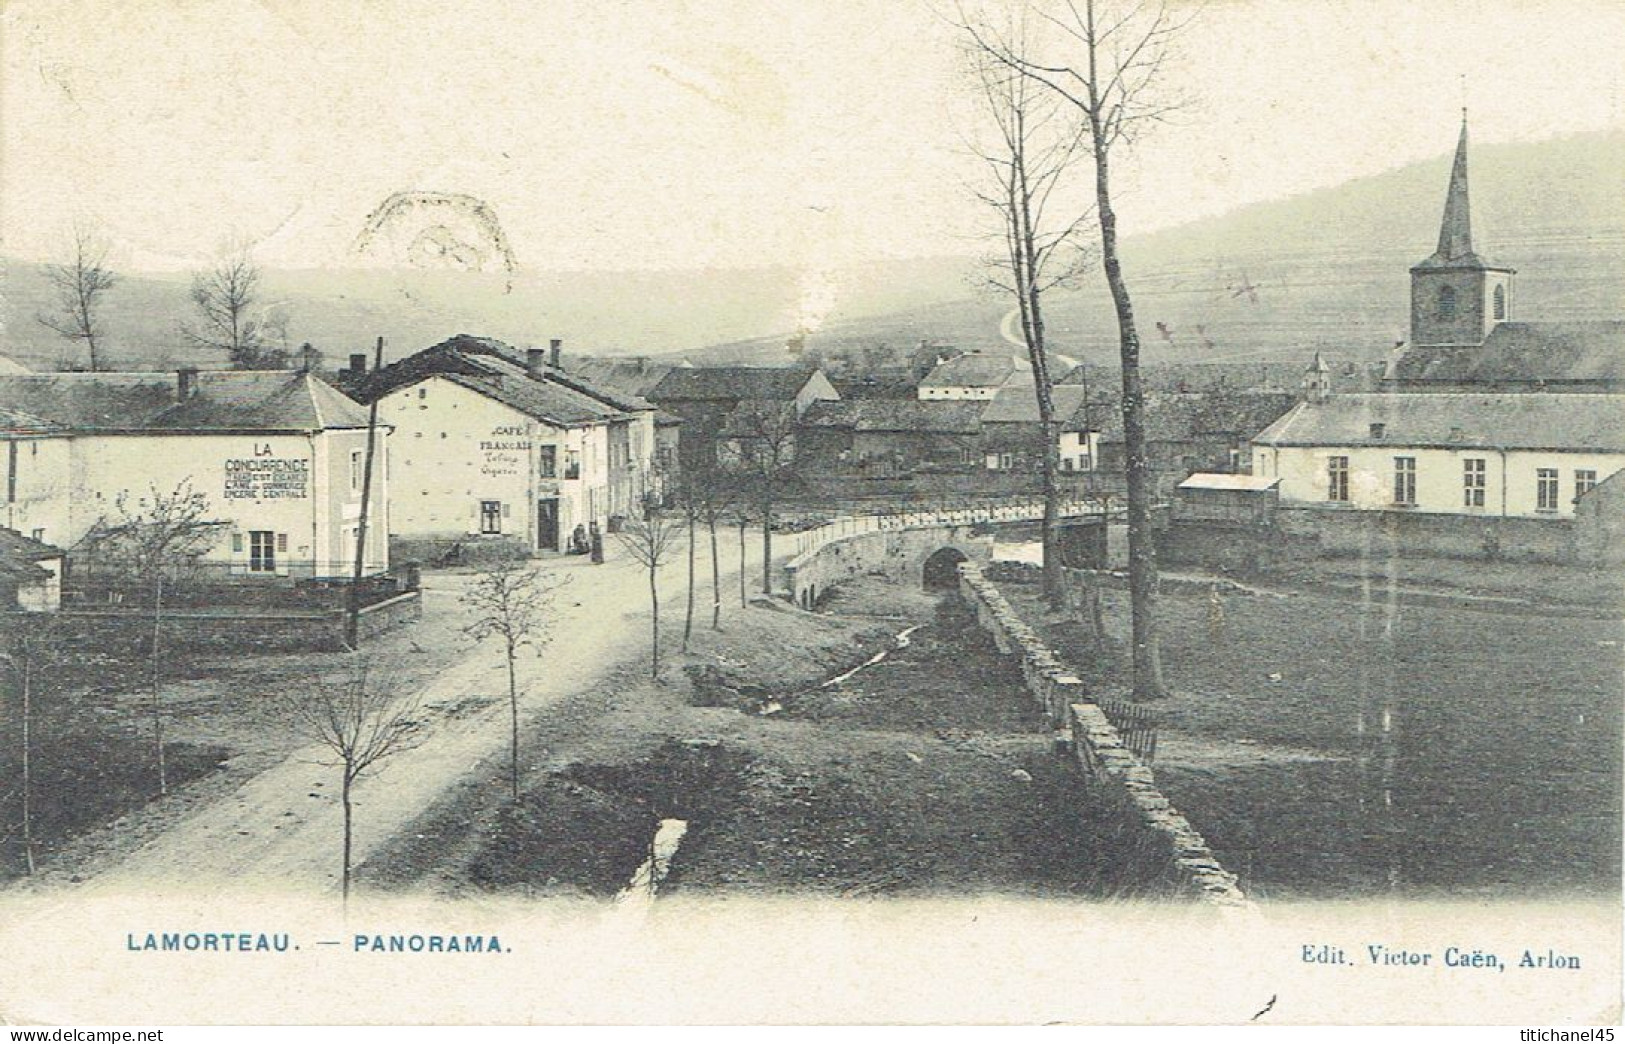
1457,297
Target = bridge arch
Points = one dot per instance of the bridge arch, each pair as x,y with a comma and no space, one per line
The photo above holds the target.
941,572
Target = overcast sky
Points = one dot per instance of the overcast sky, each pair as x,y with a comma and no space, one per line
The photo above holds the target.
665,133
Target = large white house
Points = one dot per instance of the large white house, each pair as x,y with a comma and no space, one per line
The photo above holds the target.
279,457
1509,455
498,445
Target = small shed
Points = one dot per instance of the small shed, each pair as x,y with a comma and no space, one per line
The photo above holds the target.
30,574
1213,497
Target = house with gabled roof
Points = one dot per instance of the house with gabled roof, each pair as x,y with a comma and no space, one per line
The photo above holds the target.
972,376
1013,437
710,398
277,455
498,445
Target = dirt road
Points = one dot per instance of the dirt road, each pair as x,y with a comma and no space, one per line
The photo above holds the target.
282,828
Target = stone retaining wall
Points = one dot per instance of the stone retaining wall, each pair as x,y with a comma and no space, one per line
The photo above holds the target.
244,631
1106,762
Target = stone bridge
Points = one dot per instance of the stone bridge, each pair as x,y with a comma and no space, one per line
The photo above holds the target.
919,547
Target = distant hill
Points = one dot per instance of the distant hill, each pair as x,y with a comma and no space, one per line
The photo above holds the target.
1326,270
342,311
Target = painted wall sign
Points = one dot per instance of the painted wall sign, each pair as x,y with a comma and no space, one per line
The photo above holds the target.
267,478
505,450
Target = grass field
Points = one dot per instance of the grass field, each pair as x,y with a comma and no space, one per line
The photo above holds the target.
1332,747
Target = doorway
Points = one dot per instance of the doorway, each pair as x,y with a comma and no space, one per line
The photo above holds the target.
547,524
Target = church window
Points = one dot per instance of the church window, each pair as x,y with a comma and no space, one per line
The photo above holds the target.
1447,304
1500,303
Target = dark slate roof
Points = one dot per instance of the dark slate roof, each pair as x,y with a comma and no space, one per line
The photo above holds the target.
892,415
19,556
635,376
1191,416
752,418
223,400
1516,420
1525,353
731,383
971,370
499,371
1018,404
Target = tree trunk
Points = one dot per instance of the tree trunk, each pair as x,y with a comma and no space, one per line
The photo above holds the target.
348,814
716,577
28,771
157,652
654,625
1142,553
743,599
767,548
688,613
513,722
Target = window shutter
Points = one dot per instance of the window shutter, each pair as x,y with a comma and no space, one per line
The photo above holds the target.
236,543
282,543
507,509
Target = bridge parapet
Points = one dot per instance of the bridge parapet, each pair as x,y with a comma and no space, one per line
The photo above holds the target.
1105,759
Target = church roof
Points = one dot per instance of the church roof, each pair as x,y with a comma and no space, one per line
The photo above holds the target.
1455,248
1451,420
1525,354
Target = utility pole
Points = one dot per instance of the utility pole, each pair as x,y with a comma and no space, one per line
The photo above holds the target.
352,620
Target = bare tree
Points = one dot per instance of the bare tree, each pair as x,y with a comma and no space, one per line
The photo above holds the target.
228,318
80,285
357,714
650,539
762,437
151,542
1105,58
712,499
511,602
29,649
1036,146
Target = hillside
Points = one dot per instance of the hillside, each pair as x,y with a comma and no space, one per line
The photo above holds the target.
1325,270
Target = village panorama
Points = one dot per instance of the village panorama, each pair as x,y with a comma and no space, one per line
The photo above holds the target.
1314,594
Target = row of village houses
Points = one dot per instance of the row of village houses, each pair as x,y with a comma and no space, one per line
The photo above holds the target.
1479,416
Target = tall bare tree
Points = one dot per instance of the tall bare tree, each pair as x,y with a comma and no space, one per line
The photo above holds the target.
151,542
1032,154
762,437
1106,59
357,714
650,539
80,285
228,319
511,602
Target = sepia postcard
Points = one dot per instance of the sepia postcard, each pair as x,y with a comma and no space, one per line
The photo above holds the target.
1021,512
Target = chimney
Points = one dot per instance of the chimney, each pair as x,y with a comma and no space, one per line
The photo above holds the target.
535,360
358,363
185,383
554,347
310,360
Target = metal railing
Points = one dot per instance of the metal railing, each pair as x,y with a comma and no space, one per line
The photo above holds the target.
809,541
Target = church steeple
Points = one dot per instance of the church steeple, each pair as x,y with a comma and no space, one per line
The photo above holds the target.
1456,230
1456,295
